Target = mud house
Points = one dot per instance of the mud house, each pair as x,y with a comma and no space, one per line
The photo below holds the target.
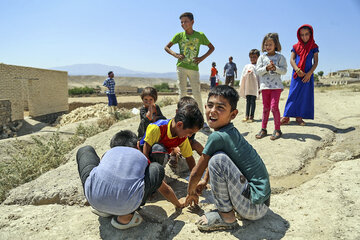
42,92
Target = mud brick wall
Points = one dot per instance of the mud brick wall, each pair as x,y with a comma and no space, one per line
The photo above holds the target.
41,91
5,112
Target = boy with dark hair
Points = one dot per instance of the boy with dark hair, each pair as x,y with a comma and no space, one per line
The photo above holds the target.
110,84
187,66
163,136
122,181
195,145
150,112
238,177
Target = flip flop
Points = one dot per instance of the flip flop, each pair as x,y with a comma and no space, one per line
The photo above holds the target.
284,120
132,223
215,222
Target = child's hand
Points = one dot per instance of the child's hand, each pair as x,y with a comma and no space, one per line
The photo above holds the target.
192,199
180,56
301,73
200,186
198,60
306,78
177,151
182,202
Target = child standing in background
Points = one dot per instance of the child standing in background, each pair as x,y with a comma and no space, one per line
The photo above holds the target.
300,102
110,84
213,75
150,112
270,67
249,85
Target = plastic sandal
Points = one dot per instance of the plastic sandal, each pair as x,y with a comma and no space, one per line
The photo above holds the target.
276,135
261,134
135,221
215,222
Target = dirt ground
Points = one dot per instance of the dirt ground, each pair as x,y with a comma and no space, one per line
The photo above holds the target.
314,172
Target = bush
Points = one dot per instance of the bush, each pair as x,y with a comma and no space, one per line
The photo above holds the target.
164,87
81,90
166,101
236,83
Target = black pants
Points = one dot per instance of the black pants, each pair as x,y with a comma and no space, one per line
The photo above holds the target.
250,105
87,159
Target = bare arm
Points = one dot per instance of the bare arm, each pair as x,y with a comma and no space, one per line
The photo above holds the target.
298,71
190,162
169,194
146,149
309,73
172,53
198,60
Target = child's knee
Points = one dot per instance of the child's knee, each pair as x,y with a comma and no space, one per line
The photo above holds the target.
217,160
83,150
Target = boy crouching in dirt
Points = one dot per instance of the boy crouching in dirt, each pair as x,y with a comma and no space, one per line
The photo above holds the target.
238,177
122,181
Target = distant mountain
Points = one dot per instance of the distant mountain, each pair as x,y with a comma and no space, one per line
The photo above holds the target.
102,70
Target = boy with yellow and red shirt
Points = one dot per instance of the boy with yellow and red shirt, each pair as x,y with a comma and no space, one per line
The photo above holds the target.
163,136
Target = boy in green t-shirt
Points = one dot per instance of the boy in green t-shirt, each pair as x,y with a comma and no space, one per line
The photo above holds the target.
238,177
188,60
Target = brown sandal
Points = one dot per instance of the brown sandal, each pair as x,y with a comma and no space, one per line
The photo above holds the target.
300,121
284,120
276,135
261,134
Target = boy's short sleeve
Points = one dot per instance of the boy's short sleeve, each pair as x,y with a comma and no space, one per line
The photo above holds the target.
204,40
213,144
176,38
152,134
185,148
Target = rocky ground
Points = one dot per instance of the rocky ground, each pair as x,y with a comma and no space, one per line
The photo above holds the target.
315,179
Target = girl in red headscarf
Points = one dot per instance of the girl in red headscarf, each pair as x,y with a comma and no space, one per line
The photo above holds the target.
304,60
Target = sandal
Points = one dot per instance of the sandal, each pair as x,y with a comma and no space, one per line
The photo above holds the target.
276,135
215,222
135,221
300,121
261,134
284,120
245,119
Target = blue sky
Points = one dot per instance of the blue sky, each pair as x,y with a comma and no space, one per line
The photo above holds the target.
132,34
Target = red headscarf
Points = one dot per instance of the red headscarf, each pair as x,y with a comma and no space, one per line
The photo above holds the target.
303,49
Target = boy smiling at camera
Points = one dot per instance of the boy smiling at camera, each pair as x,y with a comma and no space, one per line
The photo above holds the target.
238,177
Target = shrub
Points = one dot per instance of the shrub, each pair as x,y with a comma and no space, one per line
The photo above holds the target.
165,101
163,87
236,83
81,90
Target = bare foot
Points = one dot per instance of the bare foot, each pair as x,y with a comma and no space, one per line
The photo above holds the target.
125,219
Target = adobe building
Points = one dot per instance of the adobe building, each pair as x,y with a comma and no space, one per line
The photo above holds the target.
42,92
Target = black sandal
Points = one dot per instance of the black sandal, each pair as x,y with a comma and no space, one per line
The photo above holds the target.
261,134
276,135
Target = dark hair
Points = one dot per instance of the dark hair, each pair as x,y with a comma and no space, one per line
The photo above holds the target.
110,73
191,117
149,91
227,92
213,64
306,27
125,138
185,101
275,38
254,52
188,15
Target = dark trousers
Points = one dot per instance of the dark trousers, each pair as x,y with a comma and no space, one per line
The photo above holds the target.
250,105
212,82
87,159
158,153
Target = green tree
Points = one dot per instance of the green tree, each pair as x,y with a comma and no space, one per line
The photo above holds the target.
320,73
316,77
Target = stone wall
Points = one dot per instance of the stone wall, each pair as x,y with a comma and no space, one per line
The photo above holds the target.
41,91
